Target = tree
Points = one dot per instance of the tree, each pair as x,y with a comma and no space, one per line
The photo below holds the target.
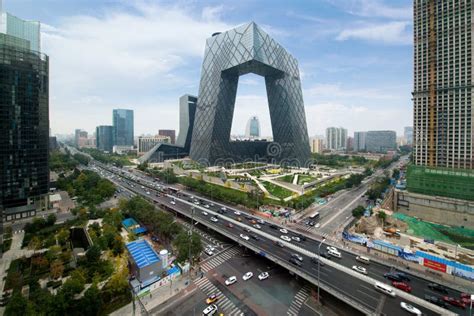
91,303
117,245
62,236
186,245
358,211
51,219
383,216
35,243
93,254
56,269
18,305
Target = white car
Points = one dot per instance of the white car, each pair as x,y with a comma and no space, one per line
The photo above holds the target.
295,238
261,221
317,225
213,219
410,308
208,252
173,202
210,310
231,280
244,237
147,192
196,202
237,213
262,276
329,248
283,231
204,213
247,276
206,206
359,269
257,226
285,238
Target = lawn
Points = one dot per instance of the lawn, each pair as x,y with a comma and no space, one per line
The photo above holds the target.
276,190
302,178
288,178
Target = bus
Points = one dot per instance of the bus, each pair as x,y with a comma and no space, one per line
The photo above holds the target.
314,217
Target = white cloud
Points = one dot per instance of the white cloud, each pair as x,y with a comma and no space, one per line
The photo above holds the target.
337,91
373,8
390,33
123,57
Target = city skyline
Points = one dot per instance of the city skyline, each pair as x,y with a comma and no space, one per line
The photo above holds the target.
338,89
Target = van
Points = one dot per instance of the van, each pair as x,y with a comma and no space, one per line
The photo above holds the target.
384,288
333,253
363,259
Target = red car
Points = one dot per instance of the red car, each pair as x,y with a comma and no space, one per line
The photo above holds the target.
230,225
454,301
402,286
466,298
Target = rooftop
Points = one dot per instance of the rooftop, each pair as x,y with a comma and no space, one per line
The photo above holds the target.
142,253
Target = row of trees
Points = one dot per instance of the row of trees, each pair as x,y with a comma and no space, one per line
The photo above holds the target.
378,187
117,160
338,160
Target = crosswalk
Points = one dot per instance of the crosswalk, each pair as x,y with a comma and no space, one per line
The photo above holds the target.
225,305
298,301
217,260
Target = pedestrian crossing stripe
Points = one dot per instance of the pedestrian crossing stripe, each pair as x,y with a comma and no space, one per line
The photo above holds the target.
224,303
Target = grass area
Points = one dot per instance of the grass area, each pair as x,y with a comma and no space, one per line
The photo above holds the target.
247,165
256,173
302,178
288,178
452,235
277,190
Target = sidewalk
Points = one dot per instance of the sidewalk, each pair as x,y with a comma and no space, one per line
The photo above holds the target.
181,285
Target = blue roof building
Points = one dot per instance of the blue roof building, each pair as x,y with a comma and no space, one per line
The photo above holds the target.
131,225
145,260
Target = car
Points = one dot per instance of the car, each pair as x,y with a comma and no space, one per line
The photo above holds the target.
212,299
454,301
239,219
247,276
273,226
302,237
280,244
317,261
210,310
438,288
220,211
261,221
325,255
257,226
173,202
253,222
244,237
237,213
147,192
231,280
297,256
436,300
255,237
285,238
262,276
296,238
204,213
295,261
196,202
402,286
230,225
213,219
466,298
210,247
403,276
392,277
330,248
410,308
249,218
246,229
206,206
224,209
208,252
359,269
283,231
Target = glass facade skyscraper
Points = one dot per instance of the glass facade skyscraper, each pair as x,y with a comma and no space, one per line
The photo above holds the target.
123,127
16,27
105,137
253,128
24,122
380,141
229,55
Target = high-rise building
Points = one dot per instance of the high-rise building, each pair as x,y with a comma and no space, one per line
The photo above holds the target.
408,135
122,121
443,131
359,141
187,111
24,119
350,143
146,143
380,141
105,138
171,133
317,145
80,138
336,138
252,129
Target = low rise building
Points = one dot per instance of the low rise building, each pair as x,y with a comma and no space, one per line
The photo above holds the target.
146,143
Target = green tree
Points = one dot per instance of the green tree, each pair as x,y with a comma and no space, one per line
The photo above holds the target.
358,211
117,245
93,254
186,244
51,219
35,243
91,303
383,216
63,236
18,305
56,269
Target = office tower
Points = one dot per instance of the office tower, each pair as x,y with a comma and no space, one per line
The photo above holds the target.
350,144
187,111
105,138
253,128
359,141
80,139
123,127
317,145
146,143
408,135
443,153
336,138
171,133
380,141
228,55
24,119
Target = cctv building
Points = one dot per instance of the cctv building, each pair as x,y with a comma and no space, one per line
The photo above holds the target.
228,55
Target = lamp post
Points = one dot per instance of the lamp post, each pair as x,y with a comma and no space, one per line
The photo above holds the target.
319,264
189,242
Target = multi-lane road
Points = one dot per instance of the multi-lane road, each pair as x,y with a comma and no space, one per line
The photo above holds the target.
352,287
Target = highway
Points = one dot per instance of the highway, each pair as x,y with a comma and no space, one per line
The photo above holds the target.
353,288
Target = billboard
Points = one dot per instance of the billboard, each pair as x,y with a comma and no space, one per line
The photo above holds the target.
438,266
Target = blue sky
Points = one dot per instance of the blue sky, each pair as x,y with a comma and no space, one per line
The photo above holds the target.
355,59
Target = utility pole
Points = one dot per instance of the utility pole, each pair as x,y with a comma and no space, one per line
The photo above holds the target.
189,242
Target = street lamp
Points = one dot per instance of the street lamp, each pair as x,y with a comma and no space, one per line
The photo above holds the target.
319,263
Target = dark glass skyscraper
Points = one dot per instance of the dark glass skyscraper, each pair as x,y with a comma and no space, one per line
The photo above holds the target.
24,126
105,137
123,127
